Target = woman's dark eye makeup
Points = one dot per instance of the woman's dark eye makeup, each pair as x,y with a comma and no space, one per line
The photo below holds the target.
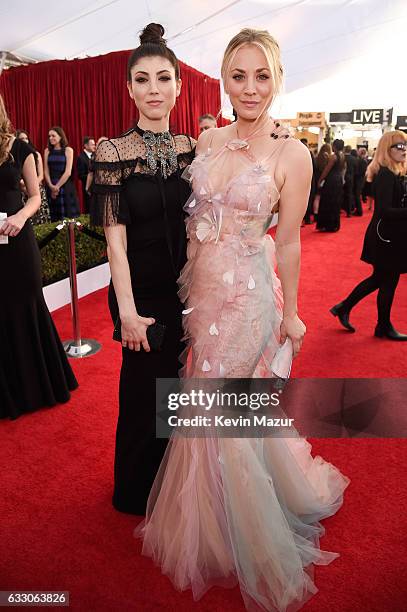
142,79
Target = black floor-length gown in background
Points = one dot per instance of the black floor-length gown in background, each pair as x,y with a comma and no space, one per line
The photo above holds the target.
34,370
127,191
331,201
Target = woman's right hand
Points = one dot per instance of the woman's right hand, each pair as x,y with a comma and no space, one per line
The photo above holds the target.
134,332
293,328
12,226
54,192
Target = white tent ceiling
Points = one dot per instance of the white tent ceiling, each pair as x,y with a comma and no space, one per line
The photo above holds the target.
338,54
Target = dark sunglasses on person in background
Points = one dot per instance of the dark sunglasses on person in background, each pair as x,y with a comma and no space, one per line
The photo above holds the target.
400,146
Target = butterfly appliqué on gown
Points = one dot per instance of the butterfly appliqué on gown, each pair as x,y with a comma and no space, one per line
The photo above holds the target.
227,511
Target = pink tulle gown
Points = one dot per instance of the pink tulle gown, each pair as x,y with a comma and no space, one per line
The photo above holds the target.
227,511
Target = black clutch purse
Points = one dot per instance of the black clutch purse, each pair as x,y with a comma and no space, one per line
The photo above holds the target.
155,334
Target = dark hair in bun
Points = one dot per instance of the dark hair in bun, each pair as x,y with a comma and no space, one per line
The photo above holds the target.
152,44
153,33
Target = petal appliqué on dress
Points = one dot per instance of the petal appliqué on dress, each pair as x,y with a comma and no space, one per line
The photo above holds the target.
252,283
188,310
206,366
213,330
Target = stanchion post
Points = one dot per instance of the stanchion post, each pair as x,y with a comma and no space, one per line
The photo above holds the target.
73,281
76,347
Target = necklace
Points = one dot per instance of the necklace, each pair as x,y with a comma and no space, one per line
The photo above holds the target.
160,151
274,133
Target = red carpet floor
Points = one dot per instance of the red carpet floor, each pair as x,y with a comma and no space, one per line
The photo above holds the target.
58,530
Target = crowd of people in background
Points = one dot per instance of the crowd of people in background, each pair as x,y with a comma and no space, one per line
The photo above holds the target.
55,172
339,183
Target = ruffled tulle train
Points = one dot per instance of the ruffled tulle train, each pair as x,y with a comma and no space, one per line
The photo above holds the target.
227,511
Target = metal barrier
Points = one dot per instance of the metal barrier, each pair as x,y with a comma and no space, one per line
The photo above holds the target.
77,347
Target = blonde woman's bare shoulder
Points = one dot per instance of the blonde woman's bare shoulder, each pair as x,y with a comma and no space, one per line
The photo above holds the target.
294,162
204,140
214,138
295,152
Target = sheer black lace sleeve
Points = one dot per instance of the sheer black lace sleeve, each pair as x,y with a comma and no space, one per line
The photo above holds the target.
108,205
185,149
116,161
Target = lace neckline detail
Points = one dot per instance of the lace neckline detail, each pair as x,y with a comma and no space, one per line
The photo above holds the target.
141,132
270,128
161,152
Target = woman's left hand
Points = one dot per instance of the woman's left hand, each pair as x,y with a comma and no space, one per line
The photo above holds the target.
13,225
293,328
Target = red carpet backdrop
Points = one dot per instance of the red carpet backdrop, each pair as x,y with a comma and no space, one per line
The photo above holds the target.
90,97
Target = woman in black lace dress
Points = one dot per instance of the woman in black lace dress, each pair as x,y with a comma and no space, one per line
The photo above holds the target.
138,195
331,181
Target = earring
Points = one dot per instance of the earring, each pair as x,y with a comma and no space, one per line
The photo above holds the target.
222,107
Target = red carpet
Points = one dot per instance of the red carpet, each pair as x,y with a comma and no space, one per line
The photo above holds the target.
59,531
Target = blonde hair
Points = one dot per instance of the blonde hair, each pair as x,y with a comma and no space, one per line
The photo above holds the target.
265,42
382,155
6,132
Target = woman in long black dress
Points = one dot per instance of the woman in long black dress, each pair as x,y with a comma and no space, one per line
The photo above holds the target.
139,196
385,244
321,161
34,371
331,200
58,159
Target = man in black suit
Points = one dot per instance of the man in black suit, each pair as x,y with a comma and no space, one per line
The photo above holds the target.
82,166
349,185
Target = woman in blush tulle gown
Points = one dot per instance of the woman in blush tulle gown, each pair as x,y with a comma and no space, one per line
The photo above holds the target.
244,511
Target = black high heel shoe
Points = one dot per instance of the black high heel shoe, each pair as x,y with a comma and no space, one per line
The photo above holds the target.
389,332
343,315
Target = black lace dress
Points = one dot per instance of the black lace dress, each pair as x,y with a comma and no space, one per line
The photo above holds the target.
126,191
